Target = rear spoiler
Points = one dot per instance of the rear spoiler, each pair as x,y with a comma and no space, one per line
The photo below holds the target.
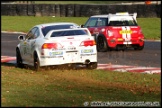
51,31
134,15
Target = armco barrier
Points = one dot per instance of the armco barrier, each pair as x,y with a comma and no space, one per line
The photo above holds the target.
77,10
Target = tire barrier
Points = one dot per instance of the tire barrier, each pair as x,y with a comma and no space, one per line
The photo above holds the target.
77,10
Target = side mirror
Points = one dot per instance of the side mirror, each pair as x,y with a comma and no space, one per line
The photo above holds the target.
82,26
21,38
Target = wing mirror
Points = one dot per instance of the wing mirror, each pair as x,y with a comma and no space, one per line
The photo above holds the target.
21,38
82,26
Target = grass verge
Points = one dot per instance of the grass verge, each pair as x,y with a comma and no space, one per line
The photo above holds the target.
70,88
151,27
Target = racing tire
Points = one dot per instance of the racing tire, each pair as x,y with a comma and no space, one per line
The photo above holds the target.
72,66
139,47
36,63
92,65
19,59
101,44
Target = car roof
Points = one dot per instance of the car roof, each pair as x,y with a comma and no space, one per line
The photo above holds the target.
104,16
117,15
110,15
56,23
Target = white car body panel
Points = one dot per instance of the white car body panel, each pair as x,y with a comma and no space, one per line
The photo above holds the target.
71,51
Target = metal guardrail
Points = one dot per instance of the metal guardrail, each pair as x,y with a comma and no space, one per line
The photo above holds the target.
122,3
132,3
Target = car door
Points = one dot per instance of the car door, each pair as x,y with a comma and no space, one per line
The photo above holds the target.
91,24
30,44
101,25
23,48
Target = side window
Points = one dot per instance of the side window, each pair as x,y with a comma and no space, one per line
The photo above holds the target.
91,22
37,33
31,33
102,22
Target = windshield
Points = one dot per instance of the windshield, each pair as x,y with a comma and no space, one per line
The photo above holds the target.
45,30
69,33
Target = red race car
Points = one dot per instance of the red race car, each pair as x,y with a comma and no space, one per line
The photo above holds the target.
116,31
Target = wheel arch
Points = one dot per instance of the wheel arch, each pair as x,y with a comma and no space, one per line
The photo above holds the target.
17,48
35,53
103,37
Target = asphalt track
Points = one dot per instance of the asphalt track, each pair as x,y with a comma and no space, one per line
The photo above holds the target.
102,63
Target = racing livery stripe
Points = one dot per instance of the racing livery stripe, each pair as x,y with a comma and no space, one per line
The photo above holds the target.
126,35
115,68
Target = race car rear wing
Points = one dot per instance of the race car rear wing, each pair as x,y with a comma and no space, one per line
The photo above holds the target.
66,31
134,15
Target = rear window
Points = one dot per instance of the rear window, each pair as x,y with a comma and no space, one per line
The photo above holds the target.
123,23
45,30
68,33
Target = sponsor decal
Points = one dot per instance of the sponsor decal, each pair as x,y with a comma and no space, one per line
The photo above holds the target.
125,32
71,48
55,53
120,39
87,51
87,54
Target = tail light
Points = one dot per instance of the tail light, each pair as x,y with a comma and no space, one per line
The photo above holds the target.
140,31
88,43
51,46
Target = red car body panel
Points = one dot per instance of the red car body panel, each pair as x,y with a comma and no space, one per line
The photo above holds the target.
118,35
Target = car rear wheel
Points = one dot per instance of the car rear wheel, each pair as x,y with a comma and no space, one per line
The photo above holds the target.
36,63
101,44
72,66
92,65
139,47
19,59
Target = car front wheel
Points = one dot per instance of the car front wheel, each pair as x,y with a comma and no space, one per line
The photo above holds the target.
92,65
19,59
36,63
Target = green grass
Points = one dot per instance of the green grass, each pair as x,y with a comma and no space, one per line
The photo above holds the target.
61,88
151,27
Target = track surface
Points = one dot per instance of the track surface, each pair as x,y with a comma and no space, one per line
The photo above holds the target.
118,68
146,61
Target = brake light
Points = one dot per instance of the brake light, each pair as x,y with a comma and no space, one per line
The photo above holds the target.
140,31
51,46
88,43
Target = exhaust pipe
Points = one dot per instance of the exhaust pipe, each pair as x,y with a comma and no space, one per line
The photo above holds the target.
87,61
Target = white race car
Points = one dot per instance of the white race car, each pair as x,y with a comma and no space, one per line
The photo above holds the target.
55,44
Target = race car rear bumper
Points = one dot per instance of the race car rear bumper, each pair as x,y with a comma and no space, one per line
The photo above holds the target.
113,43
82,59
